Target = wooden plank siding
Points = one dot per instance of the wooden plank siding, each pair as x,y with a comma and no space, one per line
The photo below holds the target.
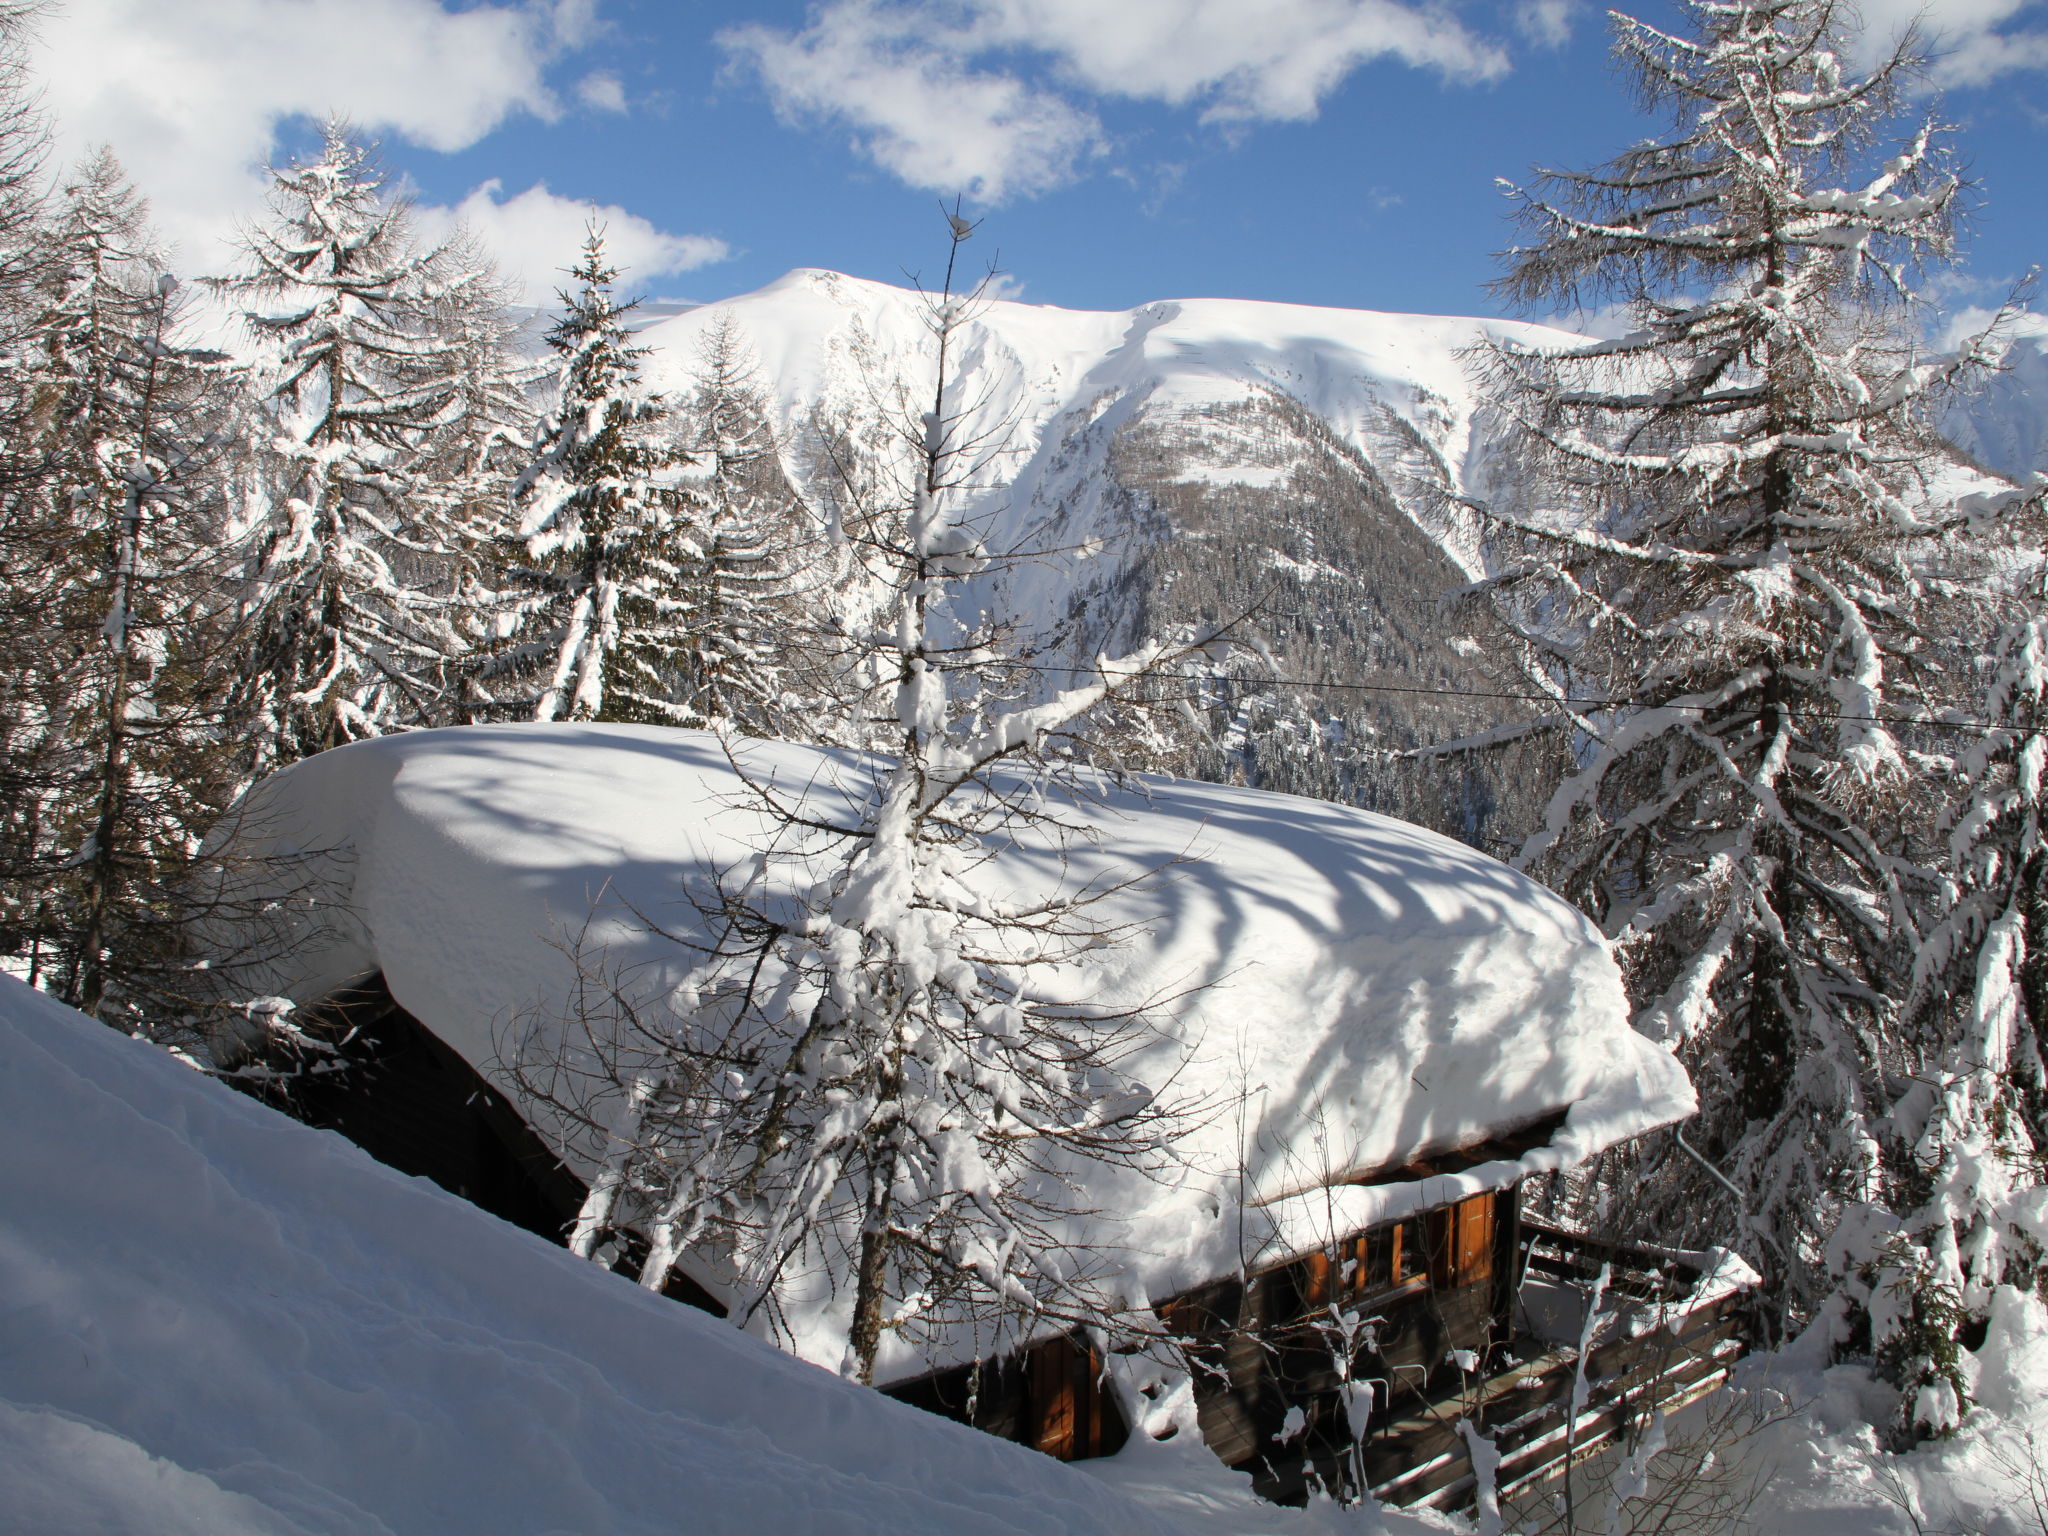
1273,1342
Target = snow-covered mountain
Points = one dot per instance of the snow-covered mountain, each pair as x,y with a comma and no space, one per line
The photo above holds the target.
2004,422
1226,456
1222,456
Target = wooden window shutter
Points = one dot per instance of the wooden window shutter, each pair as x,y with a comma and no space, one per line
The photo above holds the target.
1475,1226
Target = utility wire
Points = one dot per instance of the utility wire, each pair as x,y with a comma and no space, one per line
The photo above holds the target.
1331,685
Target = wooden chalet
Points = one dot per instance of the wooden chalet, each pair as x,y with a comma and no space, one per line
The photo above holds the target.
1466,1310
1461,1031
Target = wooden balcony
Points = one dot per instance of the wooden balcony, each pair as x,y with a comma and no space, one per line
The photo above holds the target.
1666,1332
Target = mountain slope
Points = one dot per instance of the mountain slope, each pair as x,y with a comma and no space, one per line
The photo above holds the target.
1191,460
1198,459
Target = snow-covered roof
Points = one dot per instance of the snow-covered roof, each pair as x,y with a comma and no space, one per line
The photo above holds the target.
1353,993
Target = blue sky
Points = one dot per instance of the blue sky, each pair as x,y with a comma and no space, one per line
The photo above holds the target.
1335,152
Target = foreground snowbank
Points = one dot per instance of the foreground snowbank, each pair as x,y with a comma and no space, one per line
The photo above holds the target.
1822,1470
215,1322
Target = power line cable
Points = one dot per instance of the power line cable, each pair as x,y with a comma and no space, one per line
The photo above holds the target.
1590,705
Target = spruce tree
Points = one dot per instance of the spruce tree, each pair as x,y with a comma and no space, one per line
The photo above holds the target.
610,531
348,594
1967,1147
1750,568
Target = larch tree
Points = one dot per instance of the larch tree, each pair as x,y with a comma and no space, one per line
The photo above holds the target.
609,530
143,425
31,701
747,585
468,465
348,593
870,1085
1749,569
129,427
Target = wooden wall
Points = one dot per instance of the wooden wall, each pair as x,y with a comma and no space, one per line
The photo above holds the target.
1386,1308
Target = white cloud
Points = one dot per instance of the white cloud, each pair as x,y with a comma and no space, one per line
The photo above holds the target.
913,78
1547,22
537,235
601,89
916,105
1971,38
191,95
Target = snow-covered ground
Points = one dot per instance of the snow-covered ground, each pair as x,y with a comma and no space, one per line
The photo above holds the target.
1799,1434
216,1322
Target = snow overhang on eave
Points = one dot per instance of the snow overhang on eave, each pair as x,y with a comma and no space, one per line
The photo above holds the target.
1309,1220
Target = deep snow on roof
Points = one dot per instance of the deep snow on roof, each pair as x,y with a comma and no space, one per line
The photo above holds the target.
222,1323
1346,992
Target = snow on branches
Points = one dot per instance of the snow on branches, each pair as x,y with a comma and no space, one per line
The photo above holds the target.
348,561
1755,576
608,529
878,1090
1963,1210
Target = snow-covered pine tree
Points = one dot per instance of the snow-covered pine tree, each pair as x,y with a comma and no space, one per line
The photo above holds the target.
469,463
747,621
871,1094
129,427
1753,564
610,529
348,598
1967,1149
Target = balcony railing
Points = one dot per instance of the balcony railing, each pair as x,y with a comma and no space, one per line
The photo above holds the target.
1623,1331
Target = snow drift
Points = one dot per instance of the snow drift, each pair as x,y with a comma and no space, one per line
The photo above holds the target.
220,1323
1338,992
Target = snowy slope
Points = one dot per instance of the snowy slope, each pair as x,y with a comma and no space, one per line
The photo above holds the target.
1061,380
2004,422
215,1322
1190,461
1214,458
1348,992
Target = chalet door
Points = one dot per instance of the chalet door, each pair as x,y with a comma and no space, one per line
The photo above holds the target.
1071,1413
1472,1257
1050,1389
